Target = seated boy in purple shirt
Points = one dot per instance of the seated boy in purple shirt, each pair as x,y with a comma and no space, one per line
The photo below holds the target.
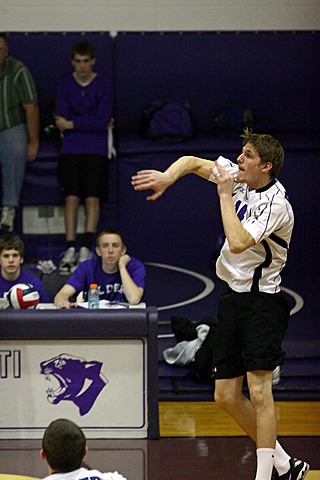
120,278
11,272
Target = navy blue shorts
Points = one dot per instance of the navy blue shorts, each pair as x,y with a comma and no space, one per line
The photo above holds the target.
251,327
84,176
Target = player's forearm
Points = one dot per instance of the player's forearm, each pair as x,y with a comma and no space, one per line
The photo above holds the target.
189,164
238,237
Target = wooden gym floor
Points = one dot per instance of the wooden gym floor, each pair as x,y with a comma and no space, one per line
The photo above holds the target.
197,439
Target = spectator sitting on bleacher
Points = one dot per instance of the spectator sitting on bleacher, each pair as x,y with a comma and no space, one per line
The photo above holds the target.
11,272
64,446
120,277
83,113
19,130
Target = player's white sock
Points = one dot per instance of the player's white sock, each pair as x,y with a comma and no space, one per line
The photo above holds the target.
265,458
281,459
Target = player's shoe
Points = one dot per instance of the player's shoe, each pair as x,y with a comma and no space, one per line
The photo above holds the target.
84,254
297,471
276,376
7,218
68,261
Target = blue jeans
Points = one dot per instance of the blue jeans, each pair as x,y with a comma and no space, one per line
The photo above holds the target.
13,157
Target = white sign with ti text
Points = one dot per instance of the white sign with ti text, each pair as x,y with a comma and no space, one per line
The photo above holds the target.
99,384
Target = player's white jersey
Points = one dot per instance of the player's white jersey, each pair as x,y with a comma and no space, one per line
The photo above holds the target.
267,215
85,474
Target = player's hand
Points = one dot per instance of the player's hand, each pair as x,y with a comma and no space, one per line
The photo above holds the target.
223,179
151,180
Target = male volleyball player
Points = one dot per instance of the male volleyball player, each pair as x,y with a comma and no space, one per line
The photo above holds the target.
252,314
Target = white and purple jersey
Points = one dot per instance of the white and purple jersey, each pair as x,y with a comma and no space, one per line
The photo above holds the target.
267,215
85,474
110,284
24,277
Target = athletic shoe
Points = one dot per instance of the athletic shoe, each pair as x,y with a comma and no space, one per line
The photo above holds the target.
46,266
84,254
68,261
297,471
276,376
7,218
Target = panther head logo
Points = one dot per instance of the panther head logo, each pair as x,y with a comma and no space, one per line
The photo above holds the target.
79,381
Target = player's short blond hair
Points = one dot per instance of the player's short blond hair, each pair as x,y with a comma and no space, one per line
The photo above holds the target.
268,148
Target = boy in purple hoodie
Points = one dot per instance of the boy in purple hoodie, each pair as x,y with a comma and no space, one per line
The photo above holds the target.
83,113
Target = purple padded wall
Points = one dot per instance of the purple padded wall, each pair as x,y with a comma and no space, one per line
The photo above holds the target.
277,72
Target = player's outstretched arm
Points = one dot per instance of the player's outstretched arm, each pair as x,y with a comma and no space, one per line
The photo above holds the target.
160,181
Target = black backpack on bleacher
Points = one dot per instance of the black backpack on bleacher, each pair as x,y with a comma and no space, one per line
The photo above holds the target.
167,120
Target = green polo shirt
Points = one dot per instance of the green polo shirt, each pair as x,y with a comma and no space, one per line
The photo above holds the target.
17,88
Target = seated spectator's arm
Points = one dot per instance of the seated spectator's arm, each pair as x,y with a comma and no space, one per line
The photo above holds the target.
132,292
61,300
100,118
32,121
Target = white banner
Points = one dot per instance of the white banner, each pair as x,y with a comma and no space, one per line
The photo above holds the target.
99,384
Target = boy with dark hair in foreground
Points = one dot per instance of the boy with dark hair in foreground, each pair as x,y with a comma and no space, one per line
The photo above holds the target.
63,448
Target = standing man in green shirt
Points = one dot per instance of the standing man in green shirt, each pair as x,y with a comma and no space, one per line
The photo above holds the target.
19,130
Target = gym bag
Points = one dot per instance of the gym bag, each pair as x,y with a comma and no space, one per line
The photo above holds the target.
167,120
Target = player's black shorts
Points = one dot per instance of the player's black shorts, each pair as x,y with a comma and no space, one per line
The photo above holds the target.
251,327
84,175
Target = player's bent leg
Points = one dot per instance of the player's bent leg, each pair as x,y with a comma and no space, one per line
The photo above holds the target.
228,395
